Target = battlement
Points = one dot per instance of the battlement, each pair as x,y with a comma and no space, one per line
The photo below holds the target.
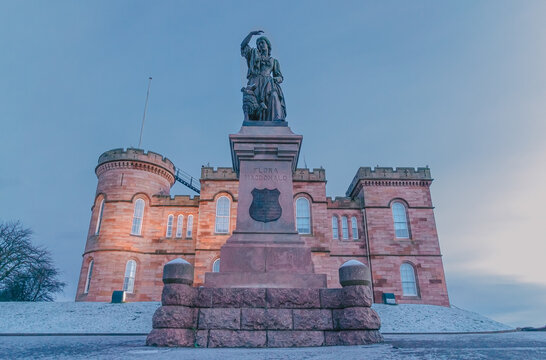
388,173
133,154
221,173
341,202
177,200
309,175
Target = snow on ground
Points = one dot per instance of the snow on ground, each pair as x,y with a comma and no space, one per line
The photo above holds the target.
416,318
76,317
132,318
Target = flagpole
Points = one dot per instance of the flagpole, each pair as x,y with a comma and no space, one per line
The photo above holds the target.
145,108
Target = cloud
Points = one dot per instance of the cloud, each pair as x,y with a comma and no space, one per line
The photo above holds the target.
502,298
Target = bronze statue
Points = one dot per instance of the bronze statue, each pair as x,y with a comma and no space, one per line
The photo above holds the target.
263,99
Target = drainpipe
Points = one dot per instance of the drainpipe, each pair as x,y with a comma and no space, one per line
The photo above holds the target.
367,243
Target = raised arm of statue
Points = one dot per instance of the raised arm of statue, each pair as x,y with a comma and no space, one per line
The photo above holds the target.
245,48
246,40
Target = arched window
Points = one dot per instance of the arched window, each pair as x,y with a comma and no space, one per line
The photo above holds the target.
179,223
99,218
222,215
170,220
303,216
89,274
400,222
354,228
335,228
216,265
137,217
407,275
344,227
189,232
129,279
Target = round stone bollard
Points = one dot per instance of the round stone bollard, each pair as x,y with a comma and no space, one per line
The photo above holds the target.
178,271
354,272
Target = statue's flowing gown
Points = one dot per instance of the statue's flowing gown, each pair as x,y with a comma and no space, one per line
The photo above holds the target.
261,70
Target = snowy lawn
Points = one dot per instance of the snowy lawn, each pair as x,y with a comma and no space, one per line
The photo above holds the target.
410,318
130,318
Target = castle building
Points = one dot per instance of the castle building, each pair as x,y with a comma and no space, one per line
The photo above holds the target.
386,220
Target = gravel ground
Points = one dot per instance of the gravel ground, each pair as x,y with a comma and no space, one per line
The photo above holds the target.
136,318
503,346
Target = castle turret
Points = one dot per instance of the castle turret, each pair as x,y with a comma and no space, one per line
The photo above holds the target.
121,226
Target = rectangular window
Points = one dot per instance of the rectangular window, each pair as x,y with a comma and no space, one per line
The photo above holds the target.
190,227
345,227
409,286
89,274
303,216
222,215
129,279
99,219
179,223
169,226
137,217
335,228
354,228
400,221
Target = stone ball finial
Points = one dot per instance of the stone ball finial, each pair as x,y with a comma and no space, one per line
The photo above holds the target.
354,272
178,271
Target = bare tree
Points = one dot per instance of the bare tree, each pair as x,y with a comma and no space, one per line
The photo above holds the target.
27,272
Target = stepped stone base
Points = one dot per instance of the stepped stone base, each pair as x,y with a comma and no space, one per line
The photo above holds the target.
264,280
264,317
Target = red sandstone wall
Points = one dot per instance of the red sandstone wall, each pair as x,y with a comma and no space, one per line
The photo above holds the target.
422,249
430,279
208,242
114,245
109,272
121,184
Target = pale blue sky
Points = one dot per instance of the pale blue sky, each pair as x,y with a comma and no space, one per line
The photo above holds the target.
459,86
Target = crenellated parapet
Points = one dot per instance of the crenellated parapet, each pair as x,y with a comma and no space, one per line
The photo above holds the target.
341,202
309,175
221,173
387,176
136,159
177,200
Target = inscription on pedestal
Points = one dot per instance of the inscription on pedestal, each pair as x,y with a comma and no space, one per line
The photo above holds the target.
265,205
266,174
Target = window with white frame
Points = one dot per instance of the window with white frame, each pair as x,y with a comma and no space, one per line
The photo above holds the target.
407,275
129,279
89,274
354,228
99,217
222,215
335,227
303,216
189,231
179,224
138,214
216,265
344,227
400,221
170,220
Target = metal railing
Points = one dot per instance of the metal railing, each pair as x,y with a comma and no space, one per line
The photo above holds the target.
188,180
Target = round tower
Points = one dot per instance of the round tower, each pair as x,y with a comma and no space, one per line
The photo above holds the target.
122,223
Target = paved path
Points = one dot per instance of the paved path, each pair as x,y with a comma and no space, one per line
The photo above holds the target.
521,345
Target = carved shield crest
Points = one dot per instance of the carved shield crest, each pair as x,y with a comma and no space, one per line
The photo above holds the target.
265,205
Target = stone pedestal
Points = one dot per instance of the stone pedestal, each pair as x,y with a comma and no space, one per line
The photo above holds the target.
265,249
264,317
266,293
